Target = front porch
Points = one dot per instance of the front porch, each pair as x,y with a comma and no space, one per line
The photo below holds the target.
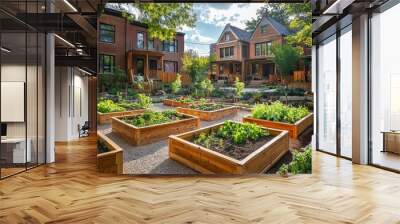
227,71
262,70
149,65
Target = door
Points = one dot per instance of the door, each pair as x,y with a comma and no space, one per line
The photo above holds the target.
266,71
139,65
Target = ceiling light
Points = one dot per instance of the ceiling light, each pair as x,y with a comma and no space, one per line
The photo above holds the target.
65,41
5,50
86,72
70,5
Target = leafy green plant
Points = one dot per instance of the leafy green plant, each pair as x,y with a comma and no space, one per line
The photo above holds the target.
196,67
176,85
301,163
108,106
144,101
239,87
239,133
207,87
207,106
186,99
277,111
151,118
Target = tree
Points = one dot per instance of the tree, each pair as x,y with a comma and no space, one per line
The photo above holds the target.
286,58
301,24
177,84
196,67
162,19
275,11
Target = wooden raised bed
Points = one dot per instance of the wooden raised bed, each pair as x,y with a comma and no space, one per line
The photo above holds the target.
208,161
111,161
209,115
173,103
145,135
294,129
103,118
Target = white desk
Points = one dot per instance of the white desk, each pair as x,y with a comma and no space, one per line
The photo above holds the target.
19,153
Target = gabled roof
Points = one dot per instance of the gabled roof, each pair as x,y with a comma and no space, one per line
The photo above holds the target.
242,35
281,29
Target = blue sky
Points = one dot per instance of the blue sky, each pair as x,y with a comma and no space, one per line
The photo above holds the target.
211,20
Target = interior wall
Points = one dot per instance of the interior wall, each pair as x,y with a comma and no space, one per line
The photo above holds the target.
71,102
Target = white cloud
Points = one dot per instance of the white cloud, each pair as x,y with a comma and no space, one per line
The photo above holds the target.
235,14
195,36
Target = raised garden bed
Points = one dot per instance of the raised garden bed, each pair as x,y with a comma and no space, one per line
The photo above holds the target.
103,118
208,112
294,129
283,117
146,133
110,155
183,101
257,156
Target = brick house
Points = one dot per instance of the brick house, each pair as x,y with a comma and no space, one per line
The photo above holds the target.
127,45
248,55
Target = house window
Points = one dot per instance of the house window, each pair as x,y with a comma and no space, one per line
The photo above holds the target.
107,33
107,63
264,28
237,68
153,64
263,49
171,66
170,46
227,37
150,44
140,40
244,50
226,52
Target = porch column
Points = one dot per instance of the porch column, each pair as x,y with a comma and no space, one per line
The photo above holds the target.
146,67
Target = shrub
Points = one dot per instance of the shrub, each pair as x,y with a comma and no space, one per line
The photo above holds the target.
301,163
144,101
176,85
108,106
277,111
207,87
239,87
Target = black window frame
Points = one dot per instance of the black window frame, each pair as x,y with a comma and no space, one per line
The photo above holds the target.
166,46
102,32
137,40
227,52
263,48
102,65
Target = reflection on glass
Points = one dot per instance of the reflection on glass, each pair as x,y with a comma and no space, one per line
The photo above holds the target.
385,84
346,93
327,95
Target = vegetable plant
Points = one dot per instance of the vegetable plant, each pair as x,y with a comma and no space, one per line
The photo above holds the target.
239,133
151,118
277,111
107,106
207,107
144,101
301,163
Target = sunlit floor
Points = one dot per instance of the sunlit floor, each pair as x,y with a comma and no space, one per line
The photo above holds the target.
386,159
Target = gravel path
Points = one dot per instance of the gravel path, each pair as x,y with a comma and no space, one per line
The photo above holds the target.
153,158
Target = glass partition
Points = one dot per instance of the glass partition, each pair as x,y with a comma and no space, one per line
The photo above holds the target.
327,95
346,92
385,89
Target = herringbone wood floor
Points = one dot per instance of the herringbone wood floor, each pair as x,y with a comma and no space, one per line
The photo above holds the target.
71,191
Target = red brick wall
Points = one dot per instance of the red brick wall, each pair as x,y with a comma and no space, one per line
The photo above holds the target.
122,44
